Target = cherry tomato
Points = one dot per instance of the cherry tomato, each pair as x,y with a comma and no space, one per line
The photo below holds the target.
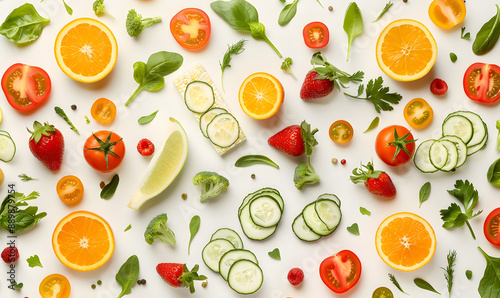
447,13
145,147
395,145
482,82
382,292
106,154
316,35
25,86
341,131
191,28
103,111
491,227
55,286
70,189
341,271
418,113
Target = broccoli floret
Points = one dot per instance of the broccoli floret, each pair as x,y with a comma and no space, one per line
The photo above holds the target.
157,228
211,184
135,23
304,174
100,9
285,66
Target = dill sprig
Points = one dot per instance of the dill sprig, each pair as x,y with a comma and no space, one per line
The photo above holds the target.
234,49
25,177
395,282
448,271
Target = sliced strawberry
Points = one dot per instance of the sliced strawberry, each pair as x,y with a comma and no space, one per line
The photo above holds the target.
376,182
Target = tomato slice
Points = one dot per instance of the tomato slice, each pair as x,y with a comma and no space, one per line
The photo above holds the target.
191,28
25,86
341,271
447,13
341,131
482,82
103,111
382,292
316,35
55,286
418,113
491,227
70,189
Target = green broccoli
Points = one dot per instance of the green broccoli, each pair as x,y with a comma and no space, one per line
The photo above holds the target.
100,9
285,66
304,174
135,23
157,228
211,184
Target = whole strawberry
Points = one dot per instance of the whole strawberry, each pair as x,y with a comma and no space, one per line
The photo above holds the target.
315,88
47,145
177,275
377,182
10,254
293,140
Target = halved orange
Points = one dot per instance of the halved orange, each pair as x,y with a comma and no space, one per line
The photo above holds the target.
405,241
406,50
83,241
86,50
261,95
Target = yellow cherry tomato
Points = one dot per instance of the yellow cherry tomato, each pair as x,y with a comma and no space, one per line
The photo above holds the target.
103,111
418,113
447,13
70,189
341,131
55,286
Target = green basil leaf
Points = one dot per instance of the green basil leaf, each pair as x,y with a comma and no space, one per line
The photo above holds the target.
23,24
424,285
275,254
354,229
194,226
489,286
364,211
109,190
148,118
353,24
236,13
128,228
163,63
288,12
453,57
139,71
468,274
249,160
386,8
34,261
493,174
488,35
373,124
153,82
127,275
424,193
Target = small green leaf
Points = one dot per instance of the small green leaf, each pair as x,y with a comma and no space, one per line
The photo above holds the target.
424,285
386,8
275,254
87,120
395,282
468,274
464,36
424,193
128,228
148,118
364,211
373,124
127,275
353,24
68,9
34,261
109,190
194,226
249,160
354,229
453,57
25,177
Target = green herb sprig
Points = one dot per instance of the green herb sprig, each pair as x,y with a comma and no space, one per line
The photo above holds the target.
354,229
146,119
377,94
424,193
26,178
61,113
488,35
23,25
127,275
396,283
194,226
489,286
23,218
34,261
275,254
448,271
234,49
386,8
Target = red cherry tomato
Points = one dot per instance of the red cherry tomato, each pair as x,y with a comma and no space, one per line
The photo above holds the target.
316,35
145,147
341,271
95,152
386,145
482,82
25,86
491,227
191,28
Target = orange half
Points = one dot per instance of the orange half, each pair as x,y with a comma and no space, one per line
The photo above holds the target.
261,95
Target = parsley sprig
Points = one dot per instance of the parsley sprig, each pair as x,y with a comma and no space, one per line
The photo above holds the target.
378,95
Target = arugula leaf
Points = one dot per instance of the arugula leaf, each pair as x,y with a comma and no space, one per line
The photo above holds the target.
275,254
396,283
448,271
353,24
364,211
148,118
424,193
378,95
248,160
109,190
489,286
194,226
425,285
373,124
127,275
464,36
234,49
128,228
354,229
34,261
15,219
386,8
25,177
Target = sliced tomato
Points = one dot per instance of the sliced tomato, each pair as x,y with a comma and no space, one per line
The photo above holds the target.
341,271
447,13
103,111
316,35
191,28
25,86
70,189
382,292
341,131
418,113
482,82
492,226
55,286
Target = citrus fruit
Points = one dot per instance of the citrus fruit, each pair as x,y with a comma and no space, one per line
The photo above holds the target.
83,241
261,95
406,50
405,241
167,162
86,50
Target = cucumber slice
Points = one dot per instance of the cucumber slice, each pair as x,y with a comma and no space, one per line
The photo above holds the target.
213,252
473,149
267,191
329,196
302,231
265,212
460,126
313,221
461,148
230,235
421,158
452,158
7,147
438,154
251,230
328,212
232,256
245,277
207,117
199,96
223,130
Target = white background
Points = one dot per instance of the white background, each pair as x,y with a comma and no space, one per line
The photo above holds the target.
222,211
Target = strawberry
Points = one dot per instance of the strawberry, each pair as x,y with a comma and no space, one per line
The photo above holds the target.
47,145
377,182
294,140
177,275
315,88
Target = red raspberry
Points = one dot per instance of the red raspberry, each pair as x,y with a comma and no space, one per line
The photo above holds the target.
10,254
439,87
145,147
295,276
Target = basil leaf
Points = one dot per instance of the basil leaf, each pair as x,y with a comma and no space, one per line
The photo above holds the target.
109,190
148,118
288,12
453,57
354,229
236,13
386,8
364,211
468,274
424,285
194,226
69,10
275,254
34,261
153,82
353,24
493,174
139,71
373,124
488,35
128,228
23,24
424,193
249,160
127,275
489,286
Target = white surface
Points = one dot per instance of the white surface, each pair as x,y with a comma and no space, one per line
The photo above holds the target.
222,211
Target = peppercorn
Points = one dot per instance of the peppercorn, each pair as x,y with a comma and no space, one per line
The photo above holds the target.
184,196
204,284
93,286
252,176
334,161
138,281
330,8
73,107
99,282
143,281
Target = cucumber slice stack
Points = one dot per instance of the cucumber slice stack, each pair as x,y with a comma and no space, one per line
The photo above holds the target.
7,146
464,133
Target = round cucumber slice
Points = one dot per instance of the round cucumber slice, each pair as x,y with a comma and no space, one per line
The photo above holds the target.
245,277
438,154
7,147
223,130
232,256
199,96
265,212
213,252
228,234
460,126
302,231
421,159
207,117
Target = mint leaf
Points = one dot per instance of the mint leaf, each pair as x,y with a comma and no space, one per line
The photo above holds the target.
275,254
354,229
